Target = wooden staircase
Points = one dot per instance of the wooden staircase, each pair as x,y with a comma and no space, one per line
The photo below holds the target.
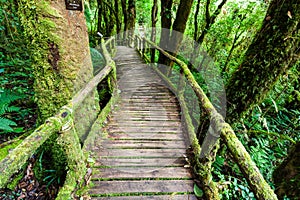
141,152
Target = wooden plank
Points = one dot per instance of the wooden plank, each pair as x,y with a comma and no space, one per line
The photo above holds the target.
140,162
143,112
145,124
150,117
143,131
145,136
113,128
148,197
142,144
157,108
143,186
175,153
166,172
147,100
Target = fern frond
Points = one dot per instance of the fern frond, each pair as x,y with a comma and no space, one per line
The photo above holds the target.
6,98
5,124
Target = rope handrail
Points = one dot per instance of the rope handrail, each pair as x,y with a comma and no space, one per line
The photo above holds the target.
258,184
60,122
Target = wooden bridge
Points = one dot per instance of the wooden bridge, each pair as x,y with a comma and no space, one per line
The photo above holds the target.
143,144
143,153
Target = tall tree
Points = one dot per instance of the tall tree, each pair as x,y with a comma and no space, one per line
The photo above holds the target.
153,24
172,40
62,66
129,16
118,21
274,50
62,61
209,20
131,13
166,23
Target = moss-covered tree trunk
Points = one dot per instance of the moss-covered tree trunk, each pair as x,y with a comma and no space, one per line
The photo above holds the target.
60,50
62,66
287,175
274,50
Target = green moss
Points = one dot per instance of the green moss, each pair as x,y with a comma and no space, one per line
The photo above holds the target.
14,182
4,151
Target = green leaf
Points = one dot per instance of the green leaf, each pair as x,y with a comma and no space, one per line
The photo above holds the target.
1,70
5,124
198,192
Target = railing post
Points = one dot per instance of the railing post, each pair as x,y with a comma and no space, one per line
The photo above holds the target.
144,47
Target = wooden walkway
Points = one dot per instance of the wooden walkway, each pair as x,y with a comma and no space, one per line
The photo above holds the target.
140,154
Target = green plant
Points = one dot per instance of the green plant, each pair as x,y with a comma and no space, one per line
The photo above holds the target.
6,99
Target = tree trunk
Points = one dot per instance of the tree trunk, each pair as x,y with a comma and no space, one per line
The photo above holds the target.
287,175
196,20
62,66
179,24
131,13
171,41
153,31
274,50
125,18
210,20
100,11
62,61
166,23
118,22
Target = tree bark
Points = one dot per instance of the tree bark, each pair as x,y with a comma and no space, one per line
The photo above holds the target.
153,31
166,23
179,24
118,22
125,17
286,176
131,13
100,11
210,20
274,50
196,20
174,38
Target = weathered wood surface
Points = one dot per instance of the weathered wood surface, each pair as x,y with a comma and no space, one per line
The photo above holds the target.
141,151
156,197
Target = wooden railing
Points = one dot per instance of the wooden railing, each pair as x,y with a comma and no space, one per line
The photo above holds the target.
257,183
62,123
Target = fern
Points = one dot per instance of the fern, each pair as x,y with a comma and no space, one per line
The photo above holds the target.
6,98
5,124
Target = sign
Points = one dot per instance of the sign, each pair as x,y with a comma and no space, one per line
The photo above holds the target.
74,5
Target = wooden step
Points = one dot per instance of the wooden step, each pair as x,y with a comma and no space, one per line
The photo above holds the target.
143,186
140,162
142,173
150,197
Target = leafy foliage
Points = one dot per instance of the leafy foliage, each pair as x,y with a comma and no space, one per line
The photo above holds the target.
16,80
6,98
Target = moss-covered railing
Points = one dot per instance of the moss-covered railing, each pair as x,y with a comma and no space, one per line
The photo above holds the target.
202,168
63,124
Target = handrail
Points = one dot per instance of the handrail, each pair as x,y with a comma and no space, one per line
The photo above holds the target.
256,181
60,122
18,157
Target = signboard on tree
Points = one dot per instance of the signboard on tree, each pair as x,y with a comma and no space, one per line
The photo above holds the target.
74,5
